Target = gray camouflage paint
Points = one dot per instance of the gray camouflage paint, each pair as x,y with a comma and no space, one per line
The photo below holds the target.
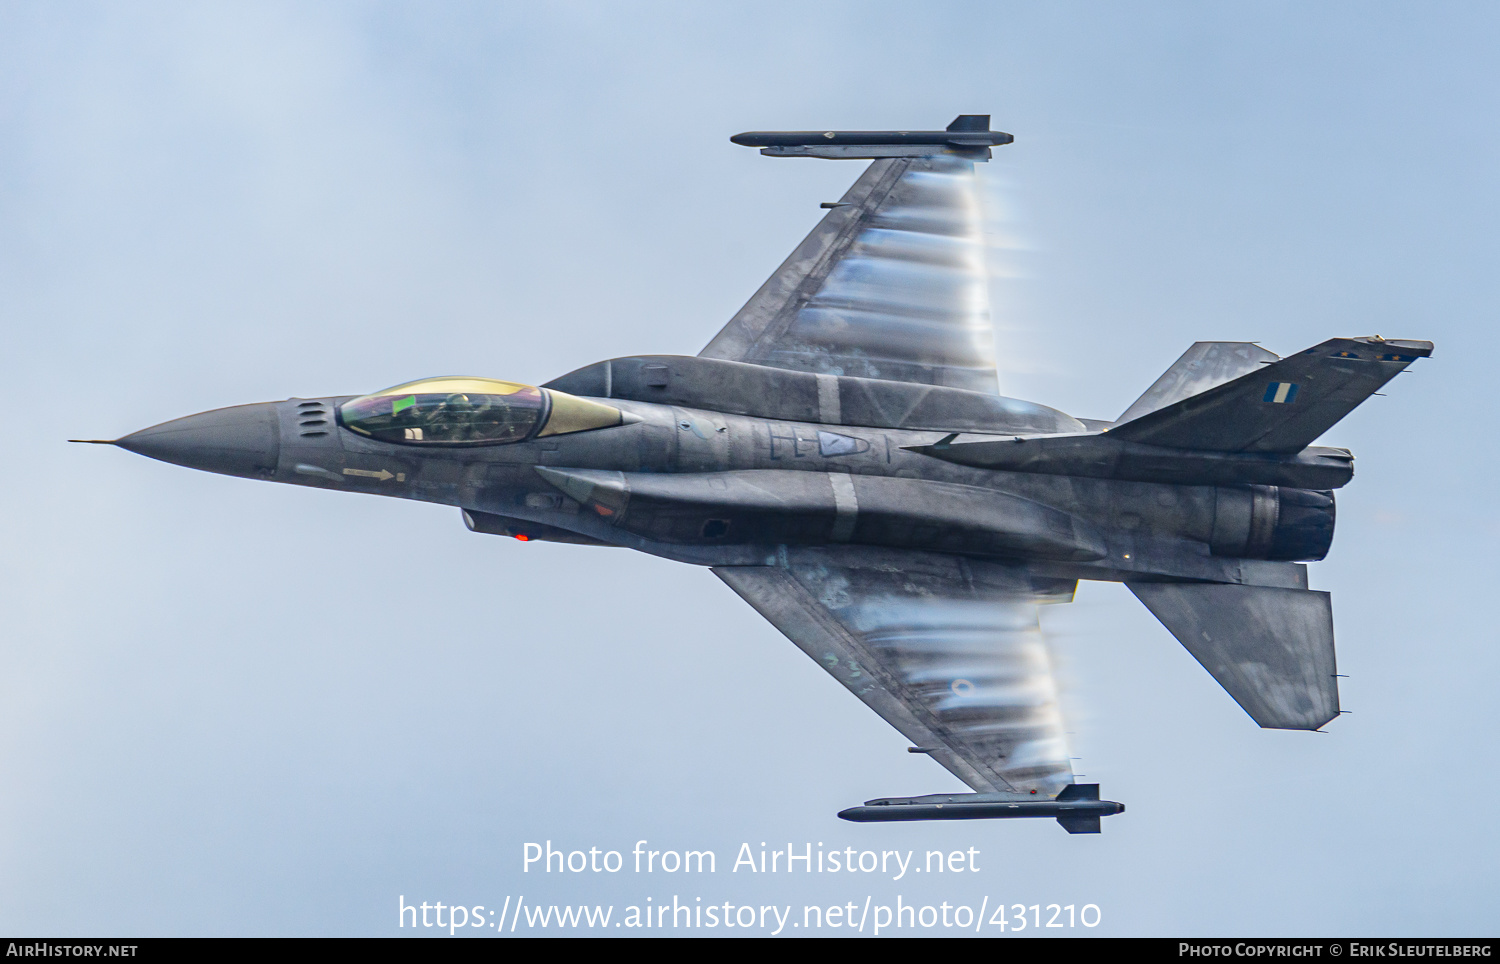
812,456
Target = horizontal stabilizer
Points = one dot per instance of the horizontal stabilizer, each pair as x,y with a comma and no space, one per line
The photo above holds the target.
1270,648
1279,407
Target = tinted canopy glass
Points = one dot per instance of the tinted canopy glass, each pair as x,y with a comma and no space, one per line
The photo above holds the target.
448,411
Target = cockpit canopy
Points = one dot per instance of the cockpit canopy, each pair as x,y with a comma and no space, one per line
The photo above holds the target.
471,411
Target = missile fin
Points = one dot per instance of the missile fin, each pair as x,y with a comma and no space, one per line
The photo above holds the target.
970,122
1079,824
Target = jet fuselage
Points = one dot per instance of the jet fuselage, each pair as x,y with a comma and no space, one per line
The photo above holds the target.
714,488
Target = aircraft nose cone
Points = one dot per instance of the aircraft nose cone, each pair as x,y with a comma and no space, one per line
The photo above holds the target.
244,440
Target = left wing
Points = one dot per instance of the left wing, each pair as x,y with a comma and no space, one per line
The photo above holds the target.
891,284
947,650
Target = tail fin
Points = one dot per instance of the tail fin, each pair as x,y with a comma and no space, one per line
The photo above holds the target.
1079,791
1270,648
1079,824
970,122
1278,407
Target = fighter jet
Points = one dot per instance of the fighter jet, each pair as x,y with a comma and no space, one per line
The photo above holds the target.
839,454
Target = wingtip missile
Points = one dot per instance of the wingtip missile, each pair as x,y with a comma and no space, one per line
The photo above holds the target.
968,136
1077,808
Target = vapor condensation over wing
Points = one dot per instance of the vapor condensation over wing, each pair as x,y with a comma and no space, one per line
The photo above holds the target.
983,669
892,284
948,651
1009,253
912,286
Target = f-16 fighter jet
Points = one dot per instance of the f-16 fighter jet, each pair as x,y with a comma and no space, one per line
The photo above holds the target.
839,455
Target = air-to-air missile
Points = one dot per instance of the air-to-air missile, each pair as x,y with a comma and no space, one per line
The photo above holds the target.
968,136
1077,808
840,456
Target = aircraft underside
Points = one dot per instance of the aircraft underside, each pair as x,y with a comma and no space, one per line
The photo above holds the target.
840,456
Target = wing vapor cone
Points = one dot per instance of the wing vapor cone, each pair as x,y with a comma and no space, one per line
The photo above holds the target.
946,650
891,284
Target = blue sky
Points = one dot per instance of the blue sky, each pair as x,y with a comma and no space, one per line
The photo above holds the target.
235,708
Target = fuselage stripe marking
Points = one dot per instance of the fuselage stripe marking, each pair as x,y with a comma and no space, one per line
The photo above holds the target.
845,506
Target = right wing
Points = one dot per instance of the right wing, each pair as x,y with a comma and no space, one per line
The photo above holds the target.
947,650
891,284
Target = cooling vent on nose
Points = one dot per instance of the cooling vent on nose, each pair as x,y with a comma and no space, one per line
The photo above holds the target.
312,419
